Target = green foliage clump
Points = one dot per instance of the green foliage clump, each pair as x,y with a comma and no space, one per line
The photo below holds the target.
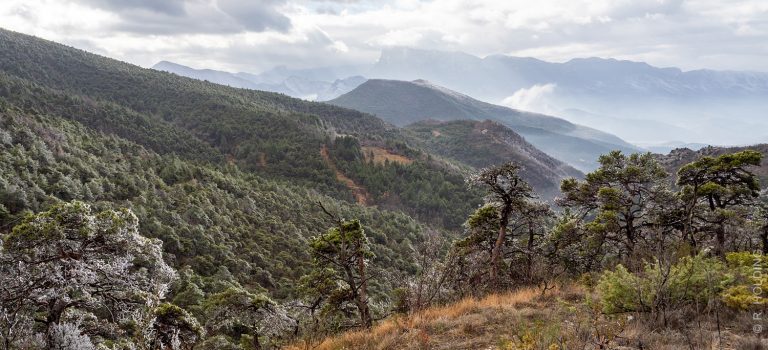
622,291
739,283
750,290
340,277
661,286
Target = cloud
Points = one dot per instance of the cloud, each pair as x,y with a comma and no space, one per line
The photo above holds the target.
168,17
249,35
256,15
169,7
530,99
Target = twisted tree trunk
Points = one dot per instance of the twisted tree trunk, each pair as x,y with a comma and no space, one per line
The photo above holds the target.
496,252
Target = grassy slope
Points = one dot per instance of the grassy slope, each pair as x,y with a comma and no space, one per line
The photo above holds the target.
527,319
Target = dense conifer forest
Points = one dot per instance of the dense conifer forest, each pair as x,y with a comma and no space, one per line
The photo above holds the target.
143,210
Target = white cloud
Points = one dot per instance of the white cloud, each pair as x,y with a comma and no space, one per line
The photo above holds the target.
533,98
403,37
690,34
340,46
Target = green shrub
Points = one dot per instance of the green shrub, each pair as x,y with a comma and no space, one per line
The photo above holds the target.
751,285
620,291
691,280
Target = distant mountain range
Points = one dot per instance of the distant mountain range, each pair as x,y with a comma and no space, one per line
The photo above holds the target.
705,106
319,84
495,76
634,100
402,103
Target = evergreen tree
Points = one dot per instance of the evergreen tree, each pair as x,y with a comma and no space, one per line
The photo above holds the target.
614,201
506,191
720,183
68,266
340,269
256,312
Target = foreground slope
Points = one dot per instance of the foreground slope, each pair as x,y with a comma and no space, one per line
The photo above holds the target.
562,318
402,103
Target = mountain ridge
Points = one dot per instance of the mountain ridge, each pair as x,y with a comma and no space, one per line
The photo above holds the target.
527,68
482,144
720,107
402,103
300,83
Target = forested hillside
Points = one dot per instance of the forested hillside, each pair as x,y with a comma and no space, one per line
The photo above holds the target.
143,210
266,133
230,181
215,220
482,144
225,226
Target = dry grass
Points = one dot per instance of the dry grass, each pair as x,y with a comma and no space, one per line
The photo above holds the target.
467,324
526,319
381,155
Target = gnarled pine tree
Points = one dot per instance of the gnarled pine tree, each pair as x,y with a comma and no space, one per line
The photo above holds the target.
720,183
506,190
340,274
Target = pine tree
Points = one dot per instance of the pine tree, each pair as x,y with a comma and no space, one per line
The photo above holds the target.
720,183
340,269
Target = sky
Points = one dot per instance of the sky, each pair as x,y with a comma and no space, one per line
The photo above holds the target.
253,36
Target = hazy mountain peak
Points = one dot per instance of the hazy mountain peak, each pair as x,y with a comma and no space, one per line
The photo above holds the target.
405,102
164,64
402,52
309,84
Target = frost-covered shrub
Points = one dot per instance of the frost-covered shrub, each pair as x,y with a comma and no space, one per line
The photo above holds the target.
68,265
67,336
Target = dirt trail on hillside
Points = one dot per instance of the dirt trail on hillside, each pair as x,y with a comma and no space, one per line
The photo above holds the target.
359,192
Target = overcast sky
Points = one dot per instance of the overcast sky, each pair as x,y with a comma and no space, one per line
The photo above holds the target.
253,36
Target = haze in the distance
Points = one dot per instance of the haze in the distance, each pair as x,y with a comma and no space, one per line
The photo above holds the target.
256,36
253,36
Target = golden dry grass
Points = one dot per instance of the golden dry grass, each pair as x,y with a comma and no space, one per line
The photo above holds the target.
526,319
470,323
